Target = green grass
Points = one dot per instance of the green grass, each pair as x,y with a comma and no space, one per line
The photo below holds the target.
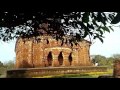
81,75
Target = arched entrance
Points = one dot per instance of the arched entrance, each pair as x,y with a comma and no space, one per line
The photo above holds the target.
49,58
70,58
60,58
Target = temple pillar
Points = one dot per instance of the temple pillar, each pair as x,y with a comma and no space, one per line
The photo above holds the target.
75,58
45,59
66,60
55,62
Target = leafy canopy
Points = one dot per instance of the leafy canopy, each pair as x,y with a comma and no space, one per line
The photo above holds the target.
75,25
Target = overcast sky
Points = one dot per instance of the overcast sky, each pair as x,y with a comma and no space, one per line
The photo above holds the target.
110,46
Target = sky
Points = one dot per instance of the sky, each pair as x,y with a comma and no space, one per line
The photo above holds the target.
110,46
7,51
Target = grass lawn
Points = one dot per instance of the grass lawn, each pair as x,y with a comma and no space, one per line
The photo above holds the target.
81,75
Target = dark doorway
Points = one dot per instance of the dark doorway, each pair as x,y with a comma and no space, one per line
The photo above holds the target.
60,58
70,58
49,58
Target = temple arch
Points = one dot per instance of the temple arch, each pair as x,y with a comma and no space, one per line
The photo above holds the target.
60,59
47,41
70,58
50,59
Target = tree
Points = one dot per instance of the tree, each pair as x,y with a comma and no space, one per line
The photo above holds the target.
105,61
19,23
5,66
110,61
1,64
9,65
116,56
101,60
2,68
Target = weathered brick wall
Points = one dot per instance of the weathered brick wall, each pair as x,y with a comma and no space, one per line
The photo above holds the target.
37,54
37,72
84,54
32,53
24,54
19,53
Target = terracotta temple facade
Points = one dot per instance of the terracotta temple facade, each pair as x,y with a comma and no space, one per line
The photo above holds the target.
48,52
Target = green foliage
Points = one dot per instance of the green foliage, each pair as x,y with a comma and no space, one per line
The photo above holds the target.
9,65
15,23
99,59
116,56
2,69
1,64
116,19
5,66
103,61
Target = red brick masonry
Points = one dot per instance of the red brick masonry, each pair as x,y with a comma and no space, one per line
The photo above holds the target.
48,52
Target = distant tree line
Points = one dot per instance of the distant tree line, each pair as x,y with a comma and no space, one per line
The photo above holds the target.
104,61
5,66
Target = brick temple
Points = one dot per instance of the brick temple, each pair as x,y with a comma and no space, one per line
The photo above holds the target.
49,52
45,51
